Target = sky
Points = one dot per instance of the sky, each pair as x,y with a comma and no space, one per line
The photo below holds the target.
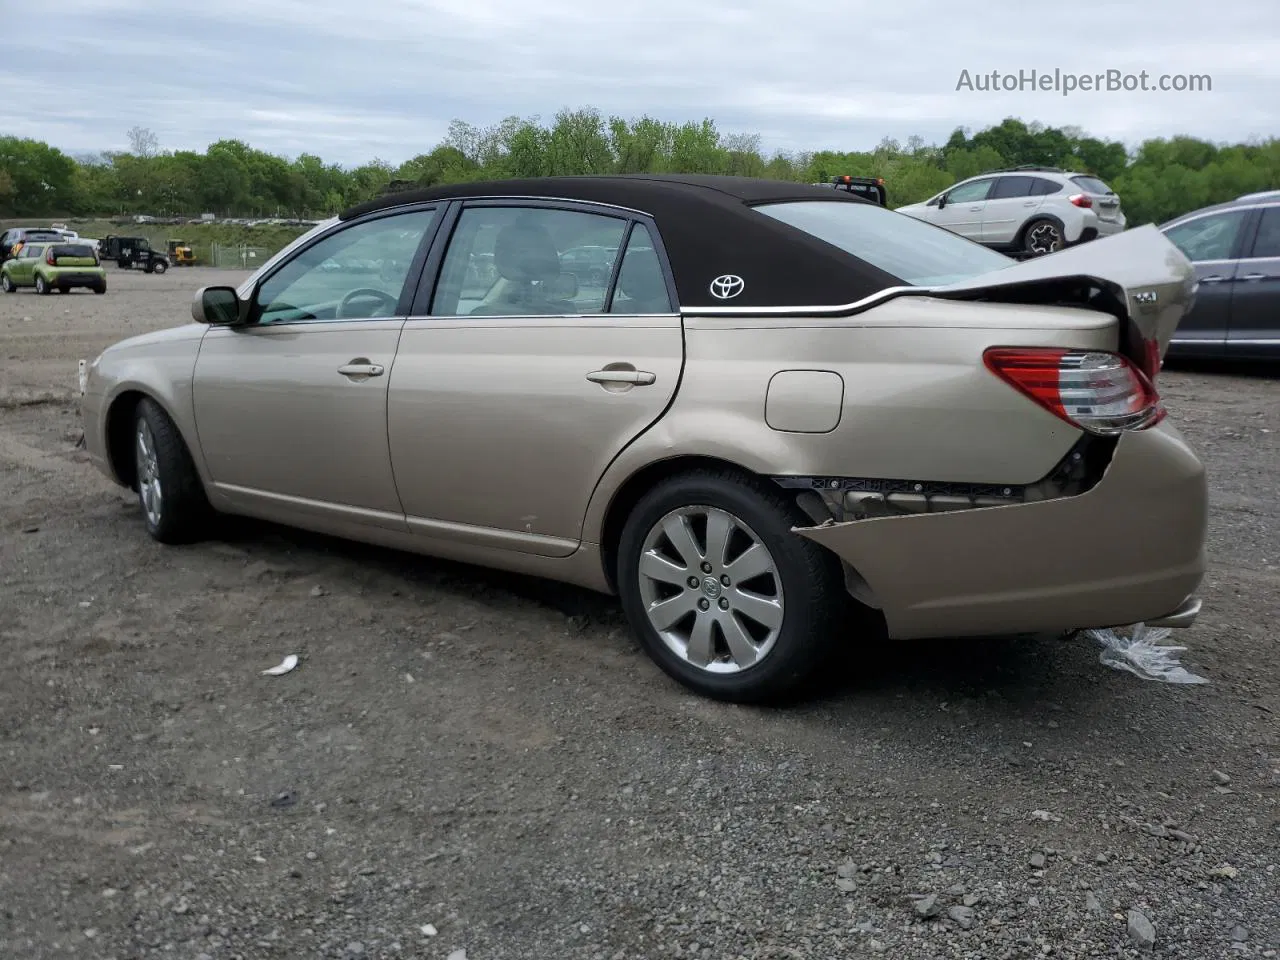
353,81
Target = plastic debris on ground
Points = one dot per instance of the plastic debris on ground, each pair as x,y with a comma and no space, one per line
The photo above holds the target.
287,664
1142,654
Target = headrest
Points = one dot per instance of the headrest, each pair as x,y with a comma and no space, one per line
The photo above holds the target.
525,251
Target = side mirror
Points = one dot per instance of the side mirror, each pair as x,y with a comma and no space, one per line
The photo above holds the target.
219,306
942,201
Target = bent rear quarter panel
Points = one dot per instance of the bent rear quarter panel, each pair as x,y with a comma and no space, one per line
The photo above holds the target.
918,402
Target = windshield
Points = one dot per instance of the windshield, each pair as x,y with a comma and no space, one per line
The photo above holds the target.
917,253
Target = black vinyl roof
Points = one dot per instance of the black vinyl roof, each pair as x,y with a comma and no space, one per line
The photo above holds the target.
708,229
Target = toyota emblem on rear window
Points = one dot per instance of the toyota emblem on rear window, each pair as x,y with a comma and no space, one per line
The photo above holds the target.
727,286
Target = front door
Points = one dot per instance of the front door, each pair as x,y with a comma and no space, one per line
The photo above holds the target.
963,211
291,409
516,384
1212,244
1255,303
23,270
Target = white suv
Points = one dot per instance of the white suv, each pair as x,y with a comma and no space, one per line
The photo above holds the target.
1026,210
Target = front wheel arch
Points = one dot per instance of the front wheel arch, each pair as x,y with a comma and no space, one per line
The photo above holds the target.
119,434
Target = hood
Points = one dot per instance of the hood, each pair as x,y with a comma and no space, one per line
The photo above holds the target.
1137,275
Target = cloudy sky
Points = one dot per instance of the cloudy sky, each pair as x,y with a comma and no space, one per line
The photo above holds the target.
360,79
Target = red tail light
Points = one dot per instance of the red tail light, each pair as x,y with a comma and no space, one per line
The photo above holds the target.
49,258
1103,393
1080,200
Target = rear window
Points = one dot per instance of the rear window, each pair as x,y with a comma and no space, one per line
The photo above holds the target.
1091,185
43,235
72,250
917,253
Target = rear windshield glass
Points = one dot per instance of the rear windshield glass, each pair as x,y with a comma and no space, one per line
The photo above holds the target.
1091,184
917,253
43,235
72,250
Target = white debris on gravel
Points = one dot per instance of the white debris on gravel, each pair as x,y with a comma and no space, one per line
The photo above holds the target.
1141,654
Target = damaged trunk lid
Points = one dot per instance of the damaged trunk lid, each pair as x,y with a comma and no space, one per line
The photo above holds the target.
1138,276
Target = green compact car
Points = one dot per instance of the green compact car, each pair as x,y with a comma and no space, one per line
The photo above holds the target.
53,266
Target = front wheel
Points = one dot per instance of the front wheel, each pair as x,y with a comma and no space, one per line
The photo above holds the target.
174,506
722,595
1042,237
5,283
159,267
42,286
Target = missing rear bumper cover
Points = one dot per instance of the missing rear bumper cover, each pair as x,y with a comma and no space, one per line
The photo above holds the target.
863,498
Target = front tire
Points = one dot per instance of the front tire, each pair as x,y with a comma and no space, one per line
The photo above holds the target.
5,283
158,267
720,592
1042,237
174,506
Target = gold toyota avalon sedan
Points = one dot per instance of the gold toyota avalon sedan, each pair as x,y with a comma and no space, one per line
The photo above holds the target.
770,416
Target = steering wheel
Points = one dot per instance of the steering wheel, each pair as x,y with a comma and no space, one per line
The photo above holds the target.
381,295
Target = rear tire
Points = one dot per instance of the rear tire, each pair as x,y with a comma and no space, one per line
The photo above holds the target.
42,287
174,506
100,287
1042,237
769,616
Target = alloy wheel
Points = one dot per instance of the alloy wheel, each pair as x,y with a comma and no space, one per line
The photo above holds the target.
1044,238
711,589
149,490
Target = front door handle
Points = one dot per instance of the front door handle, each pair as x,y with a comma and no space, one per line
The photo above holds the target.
637,377
1213,279
974,209
361,369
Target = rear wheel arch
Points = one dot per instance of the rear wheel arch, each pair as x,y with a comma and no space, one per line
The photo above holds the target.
1020,242
634,488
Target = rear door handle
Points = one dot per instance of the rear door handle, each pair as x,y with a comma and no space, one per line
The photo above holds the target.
1254,276
638,377
360,369
974,209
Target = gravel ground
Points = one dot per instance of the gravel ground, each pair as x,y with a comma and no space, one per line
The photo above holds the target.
468,761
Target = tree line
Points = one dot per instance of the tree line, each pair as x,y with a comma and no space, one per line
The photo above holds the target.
1159,179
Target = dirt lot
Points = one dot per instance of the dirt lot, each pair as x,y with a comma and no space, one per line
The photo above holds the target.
494,758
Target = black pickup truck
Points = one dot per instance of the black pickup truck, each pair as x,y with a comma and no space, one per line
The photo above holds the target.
126,251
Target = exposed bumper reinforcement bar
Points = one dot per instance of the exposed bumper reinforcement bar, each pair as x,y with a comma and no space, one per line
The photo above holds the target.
1184,616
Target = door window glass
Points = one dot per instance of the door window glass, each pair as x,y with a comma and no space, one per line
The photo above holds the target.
528,261
1267,242
969,192
642,286
1009,187
356,273
1211,237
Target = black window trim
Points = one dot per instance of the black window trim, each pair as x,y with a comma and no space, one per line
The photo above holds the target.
429,276
1013,196
410,280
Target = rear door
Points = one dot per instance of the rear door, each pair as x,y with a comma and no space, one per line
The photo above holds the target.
1008,207
963,210
1213,243
512,391
1255,301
